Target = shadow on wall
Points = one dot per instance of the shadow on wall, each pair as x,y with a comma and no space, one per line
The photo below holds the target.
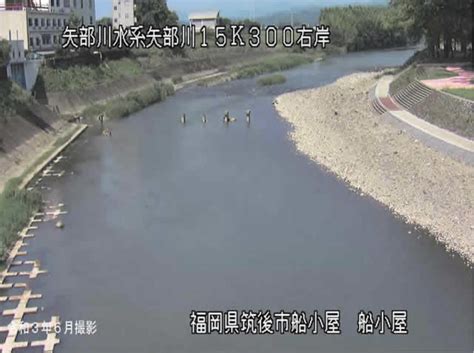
15,101
39,90
3,73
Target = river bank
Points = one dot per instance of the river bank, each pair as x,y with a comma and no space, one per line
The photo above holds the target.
335,126
283,215
17,205
142,75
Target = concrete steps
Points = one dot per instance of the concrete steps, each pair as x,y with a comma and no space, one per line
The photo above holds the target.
412,95
377,107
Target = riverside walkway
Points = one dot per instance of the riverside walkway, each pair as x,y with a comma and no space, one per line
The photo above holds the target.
438,138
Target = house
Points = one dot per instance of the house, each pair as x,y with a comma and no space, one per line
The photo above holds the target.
123,13
209,19
40,23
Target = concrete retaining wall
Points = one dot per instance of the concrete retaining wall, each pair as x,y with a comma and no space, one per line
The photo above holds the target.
447,112
22,143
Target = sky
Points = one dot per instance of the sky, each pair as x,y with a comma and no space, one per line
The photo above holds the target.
235,9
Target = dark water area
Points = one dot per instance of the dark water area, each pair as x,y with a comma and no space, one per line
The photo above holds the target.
165,219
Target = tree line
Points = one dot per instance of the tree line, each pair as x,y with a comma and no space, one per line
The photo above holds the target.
445,24
367,27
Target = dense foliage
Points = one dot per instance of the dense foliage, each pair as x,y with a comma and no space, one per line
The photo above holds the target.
74,21
105,21
4,52
155,13
366,27
13,100
133,102
80,77
271,80
445,24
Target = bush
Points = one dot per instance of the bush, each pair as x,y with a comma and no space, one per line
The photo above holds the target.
133,102
79,77
177,79
93,111
272,80
13,100
119,108
278,63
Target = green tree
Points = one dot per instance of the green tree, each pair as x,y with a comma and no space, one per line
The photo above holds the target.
74,20
155,13
4,52
105,21
366,27
445,24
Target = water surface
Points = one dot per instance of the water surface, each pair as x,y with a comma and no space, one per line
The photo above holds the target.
164,219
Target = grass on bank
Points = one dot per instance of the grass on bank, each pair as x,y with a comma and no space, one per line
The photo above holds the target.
419,73
437,72
404,79
18,205
467,93
16,208
272,64
80,77
133,102
276,79
13,100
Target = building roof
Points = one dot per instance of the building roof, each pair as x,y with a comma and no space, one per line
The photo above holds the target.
204,15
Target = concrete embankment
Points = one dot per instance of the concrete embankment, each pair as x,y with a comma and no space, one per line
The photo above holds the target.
27,143
335,126
25,140
69,135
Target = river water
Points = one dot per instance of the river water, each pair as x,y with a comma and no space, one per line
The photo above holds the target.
165,219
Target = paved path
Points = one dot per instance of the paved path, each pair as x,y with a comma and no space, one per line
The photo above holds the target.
434,136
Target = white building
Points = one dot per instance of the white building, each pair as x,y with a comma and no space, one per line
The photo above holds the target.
123,13
40,23
209,19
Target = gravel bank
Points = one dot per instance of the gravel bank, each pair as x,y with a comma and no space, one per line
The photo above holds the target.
335,126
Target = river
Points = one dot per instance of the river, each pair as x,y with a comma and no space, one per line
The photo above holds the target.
165,219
